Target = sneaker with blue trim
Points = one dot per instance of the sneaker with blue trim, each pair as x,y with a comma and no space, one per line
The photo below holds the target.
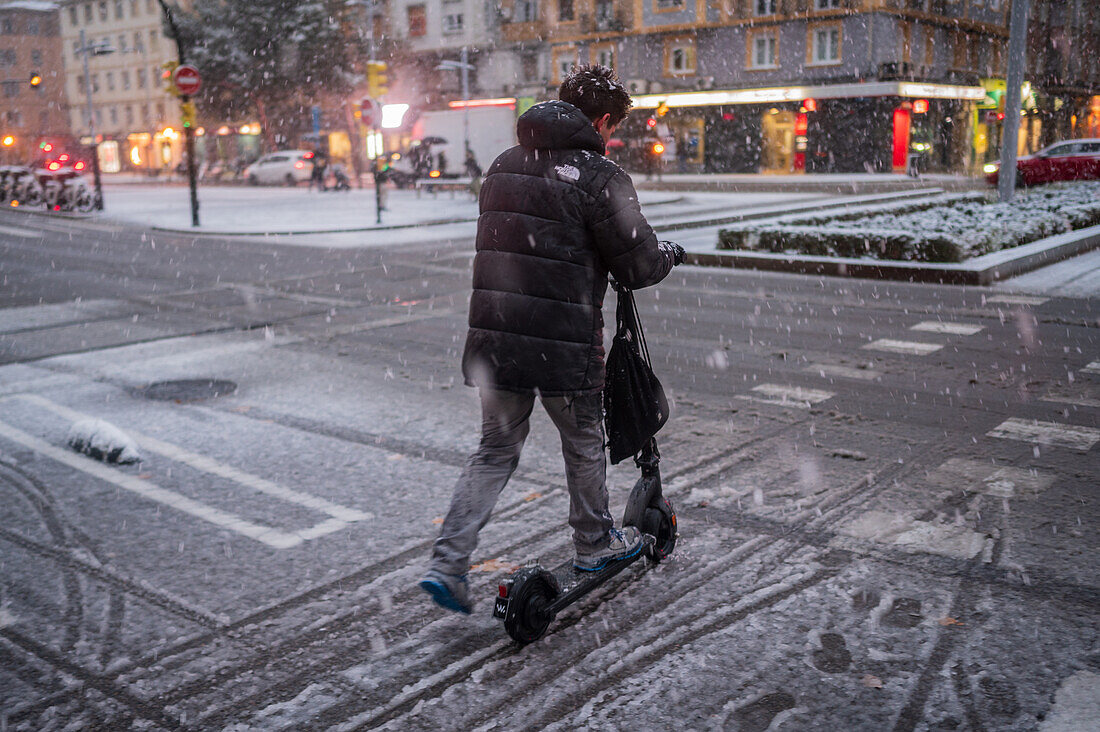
624,543
448,590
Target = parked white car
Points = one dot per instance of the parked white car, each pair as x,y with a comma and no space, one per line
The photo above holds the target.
289,167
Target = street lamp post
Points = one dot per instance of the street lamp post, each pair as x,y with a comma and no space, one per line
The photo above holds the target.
188,131
97,49
1010,133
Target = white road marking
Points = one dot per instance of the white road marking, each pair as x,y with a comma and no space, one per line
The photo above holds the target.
1085,399
938,326
910,534
1047,433
985,477
152,491
844,372
23,233
787,396
1076,704
910,348
1017,300
1092,368
209,465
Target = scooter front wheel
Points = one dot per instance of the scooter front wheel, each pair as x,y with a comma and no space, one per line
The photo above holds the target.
660,522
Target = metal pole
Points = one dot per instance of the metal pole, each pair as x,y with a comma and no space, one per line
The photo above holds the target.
188,132
465,103
84,51
1010,132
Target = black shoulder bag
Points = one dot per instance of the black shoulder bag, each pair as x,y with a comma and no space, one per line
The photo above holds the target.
634,403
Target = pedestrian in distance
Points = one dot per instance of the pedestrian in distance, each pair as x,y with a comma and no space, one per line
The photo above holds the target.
557,217
317,175
473,172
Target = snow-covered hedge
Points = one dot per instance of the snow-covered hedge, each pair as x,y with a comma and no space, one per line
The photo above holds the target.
947,228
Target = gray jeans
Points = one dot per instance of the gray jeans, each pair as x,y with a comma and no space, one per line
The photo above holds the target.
505,424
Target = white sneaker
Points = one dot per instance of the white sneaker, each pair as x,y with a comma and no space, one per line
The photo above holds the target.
624,544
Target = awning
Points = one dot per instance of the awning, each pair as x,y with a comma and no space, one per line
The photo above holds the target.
798,93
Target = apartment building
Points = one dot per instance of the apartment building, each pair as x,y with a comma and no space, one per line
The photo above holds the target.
30,114
784,85
136,120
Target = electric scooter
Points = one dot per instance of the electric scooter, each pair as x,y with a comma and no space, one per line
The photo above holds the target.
529,600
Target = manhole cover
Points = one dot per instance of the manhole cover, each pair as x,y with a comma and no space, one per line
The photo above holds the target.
187,390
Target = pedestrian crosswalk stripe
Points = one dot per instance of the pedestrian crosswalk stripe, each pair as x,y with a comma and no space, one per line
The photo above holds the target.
209,465
938,326
844,372
787,396
1017,300
152,491
1047,433
1092,368
910,348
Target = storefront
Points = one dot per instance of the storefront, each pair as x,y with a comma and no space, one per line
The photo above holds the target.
842,128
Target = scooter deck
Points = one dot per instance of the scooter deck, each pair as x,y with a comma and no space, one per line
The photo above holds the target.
576,583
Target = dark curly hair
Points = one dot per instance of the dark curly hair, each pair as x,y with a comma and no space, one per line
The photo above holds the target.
596,91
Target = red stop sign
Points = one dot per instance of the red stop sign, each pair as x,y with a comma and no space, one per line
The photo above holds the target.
187,79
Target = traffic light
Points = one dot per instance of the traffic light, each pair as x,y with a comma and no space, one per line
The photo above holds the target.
169,76
378,81
658,148
662,109
36,80
651,122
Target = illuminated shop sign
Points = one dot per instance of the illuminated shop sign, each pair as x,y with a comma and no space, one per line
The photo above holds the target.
798,93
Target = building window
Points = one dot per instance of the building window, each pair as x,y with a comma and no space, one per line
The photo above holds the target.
530,66
95,82
129,115
764,50
103,11
826,4
764,7
452,23
125,79
141,78
565,58
133,8
152,39
73,17
139,46
88,16
36,58
7,57
604,55
7,27
11,88
110,81
565,11
149,6
33,27
605,11
114,115
526,11
118,10
663,5
418,20
122,43
825,45
679,57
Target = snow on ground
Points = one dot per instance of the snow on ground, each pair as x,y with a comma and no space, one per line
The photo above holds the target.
277,210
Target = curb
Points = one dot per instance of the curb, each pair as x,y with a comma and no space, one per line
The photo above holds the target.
774,211
981,271
833,187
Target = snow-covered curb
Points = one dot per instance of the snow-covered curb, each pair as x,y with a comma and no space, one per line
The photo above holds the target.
101,440
984,270
950,228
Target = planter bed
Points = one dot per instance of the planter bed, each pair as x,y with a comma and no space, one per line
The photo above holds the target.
948,228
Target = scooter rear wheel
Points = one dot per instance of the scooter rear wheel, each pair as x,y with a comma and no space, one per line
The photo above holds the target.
660,522
530,620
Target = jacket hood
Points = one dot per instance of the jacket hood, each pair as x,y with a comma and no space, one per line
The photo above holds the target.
557,125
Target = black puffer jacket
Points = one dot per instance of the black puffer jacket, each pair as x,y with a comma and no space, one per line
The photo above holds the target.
556,217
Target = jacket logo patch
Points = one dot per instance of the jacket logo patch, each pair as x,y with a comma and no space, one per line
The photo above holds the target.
568,172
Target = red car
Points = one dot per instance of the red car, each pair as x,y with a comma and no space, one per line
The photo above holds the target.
1072,160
